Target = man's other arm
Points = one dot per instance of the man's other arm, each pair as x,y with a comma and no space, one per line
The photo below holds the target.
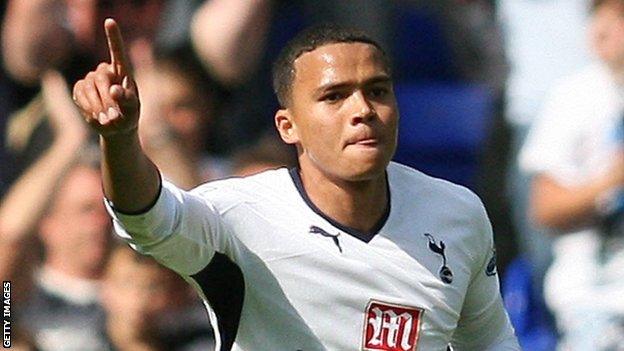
483,323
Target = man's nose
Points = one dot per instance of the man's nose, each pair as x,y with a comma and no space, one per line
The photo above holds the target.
363,110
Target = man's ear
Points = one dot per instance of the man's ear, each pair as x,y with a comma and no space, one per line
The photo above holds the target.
286,126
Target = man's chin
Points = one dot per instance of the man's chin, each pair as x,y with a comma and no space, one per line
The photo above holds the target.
365,168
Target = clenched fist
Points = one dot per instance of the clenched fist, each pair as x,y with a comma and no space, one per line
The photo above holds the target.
107,97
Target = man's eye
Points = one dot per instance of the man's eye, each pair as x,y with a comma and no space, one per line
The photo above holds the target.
378,92
332,97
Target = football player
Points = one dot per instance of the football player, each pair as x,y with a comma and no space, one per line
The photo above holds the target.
348,251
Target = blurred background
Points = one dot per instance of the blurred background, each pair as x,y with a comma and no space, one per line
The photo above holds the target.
519,100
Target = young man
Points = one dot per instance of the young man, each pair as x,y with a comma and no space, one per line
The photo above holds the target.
348,252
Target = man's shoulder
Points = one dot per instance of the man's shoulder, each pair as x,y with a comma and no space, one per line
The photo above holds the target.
272,183
451,211
417,185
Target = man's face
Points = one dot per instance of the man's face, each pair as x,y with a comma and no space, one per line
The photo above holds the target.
77,226
344,111
185,108
607,33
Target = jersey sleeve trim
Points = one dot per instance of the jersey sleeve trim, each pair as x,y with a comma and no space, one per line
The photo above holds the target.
144,210
182,230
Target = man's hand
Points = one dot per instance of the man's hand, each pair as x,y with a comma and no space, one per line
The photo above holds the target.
107,97
109,101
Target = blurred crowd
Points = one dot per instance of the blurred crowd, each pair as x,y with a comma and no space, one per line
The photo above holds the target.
520,100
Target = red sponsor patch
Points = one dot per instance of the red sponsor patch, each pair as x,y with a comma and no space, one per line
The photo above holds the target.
391,327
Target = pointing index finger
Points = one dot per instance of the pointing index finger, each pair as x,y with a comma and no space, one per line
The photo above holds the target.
118,56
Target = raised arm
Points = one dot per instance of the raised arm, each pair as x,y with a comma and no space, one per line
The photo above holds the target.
109,101
180,229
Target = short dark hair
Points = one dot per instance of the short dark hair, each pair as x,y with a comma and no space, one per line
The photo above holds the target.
309,40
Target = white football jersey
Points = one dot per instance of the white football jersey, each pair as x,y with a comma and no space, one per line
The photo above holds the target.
277,274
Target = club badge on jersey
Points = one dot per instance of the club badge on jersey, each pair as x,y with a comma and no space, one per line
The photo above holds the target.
445,273
391,327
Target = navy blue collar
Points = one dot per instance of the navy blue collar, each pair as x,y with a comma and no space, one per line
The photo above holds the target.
364,236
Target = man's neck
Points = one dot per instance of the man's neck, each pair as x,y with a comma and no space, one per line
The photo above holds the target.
356,204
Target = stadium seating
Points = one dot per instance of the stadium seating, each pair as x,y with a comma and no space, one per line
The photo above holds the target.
443,128
527,311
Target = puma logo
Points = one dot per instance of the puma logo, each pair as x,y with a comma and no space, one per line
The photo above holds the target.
316,230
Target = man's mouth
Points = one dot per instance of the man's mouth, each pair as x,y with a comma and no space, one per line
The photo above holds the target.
367,142
364,139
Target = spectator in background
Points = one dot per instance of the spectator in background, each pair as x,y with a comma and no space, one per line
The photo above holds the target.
57,288
575,152
180,110
544,43
26,202
35,37
62,310
58,197
136,293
